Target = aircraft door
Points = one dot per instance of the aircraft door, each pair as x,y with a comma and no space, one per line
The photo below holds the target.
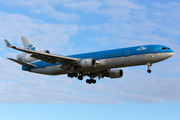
122,61
126,53
155,50
127,58
154,56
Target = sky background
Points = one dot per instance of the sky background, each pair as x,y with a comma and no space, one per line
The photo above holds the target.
68,27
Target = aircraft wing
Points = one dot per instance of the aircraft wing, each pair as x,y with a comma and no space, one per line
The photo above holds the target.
51,58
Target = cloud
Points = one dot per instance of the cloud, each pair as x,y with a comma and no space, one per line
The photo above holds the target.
132,34
117,10
120,10
44,7
13,26
168,16
123,4
163,89
128,97
103,40
88,6
64,16
69,91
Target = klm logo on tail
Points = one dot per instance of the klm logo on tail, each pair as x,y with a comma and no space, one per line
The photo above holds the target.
30,47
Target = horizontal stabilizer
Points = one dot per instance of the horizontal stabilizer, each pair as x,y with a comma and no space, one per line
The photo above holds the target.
22,63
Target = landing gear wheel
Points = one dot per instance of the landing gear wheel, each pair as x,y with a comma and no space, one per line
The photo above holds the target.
94,81
149,71
69,74
91,81
80,77
88,81
149,65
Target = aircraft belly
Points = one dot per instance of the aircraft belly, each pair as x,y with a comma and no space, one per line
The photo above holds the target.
134,60
142,59
49,70
121,61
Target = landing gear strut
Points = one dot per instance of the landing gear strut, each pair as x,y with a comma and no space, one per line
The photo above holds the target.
80,77
149,65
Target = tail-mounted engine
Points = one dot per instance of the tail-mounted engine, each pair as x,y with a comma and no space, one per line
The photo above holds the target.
118,73
87,63
25,57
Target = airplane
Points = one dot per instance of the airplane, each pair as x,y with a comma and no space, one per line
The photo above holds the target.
95,64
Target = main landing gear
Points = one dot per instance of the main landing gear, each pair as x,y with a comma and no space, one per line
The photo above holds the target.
149,65
80,77
89,81
71,75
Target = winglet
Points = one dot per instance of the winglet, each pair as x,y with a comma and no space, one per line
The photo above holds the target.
7,43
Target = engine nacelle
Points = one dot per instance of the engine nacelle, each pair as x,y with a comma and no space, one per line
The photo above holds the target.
118,73
46,51
26,58
87,63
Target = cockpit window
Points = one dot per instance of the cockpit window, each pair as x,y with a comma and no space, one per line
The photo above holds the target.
165,48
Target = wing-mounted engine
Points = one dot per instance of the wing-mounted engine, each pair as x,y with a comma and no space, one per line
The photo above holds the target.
118,73
46,51
86,63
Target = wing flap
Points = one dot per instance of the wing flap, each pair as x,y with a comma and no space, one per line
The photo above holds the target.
22,63
43,58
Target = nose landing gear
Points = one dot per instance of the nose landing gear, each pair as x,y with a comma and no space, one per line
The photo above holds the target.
149,71
149,65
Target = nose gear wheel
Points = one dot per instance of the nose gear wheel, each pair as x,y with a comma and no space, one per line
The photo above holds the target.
149,66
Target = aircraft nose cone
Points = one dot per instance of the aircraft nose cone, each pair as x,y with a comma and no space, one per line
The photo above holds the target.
171,54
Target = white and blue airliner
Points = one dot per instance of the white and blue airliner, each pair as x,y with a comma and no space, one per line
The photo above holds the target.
95,64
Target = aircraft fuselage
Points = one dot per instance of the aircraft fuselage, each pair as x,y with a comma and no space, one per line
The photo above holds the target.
117,58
